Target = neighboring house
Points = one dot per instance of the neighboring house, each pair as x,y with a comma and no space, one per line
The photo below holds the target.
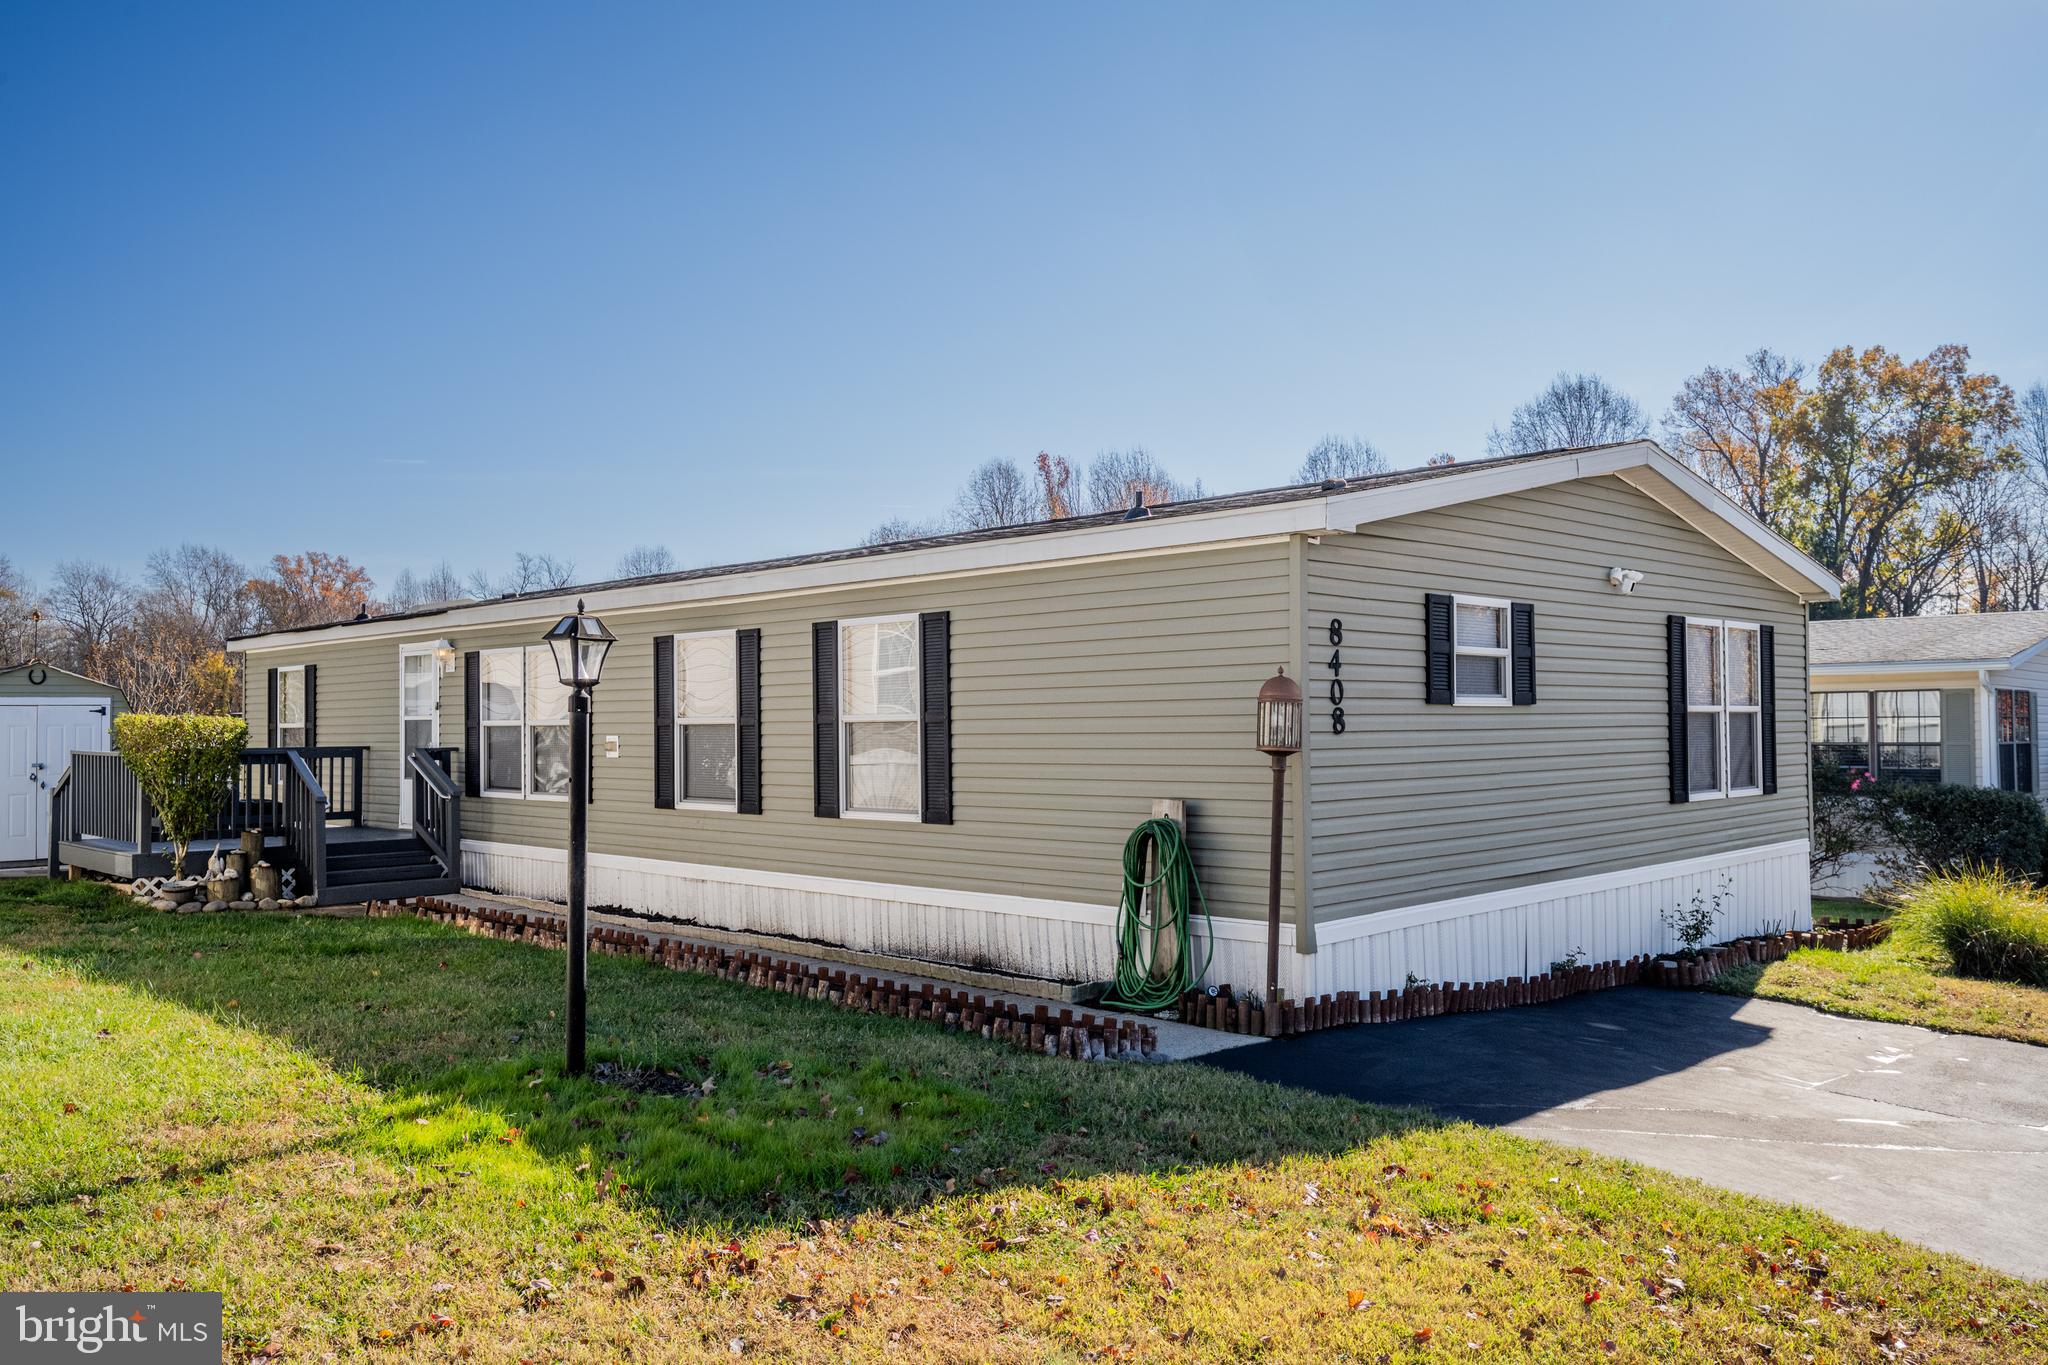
1932,698
1549,697
46,713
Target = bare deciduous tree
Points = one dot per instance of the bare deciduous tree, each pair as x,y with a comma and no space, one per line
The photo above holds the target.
18,633
1115,478
1576,410
530,573
645,560
410,591
997,494
1733,426
91,603
208,585
1334,457
902,528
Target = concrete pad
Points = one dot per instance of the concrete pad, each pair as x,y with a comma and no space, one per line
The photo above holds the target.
1935,1137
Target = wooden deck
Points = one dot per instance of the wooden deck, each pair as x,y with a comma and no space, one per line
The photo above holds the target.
115,858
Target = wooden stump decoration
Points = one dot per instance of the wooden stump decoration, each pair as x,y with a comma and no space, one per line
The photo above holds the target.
264,882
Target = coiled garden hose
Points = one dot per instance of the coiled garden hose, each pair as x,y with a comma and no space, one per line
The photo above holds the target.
1176,893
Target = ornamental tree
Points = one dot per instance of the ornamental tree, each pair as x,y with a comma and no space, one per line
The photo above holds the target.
186,767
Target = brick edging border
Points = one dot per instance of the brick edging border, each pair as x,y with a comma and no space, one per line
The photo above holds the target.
1029,1028
1229,1013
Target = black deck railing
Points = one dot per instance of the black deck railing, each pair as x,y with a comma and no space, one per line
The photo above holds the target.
288,792
436,806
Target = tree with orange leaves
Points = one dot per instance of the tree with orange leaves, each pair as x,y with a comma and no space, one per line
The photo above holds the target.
308,589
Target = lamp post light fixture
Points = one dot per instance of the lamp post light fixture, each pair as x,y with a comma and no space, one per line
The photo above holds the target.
1280,736
580,643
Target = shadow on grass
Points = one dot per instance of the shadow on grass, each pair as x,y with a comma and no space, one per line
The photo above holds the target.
789,1108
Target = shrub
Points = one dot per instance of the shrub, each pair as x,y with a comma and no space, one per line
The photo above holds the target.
1988,923
1841,820
1943,828
186,765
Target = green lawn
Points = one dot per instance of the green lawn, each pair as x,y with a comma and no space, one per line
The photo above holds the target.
1849,907
1897,983
355,1129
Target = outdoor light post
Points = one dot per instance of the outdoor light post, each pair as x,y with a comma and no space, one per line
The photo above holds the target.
580,643
1280,736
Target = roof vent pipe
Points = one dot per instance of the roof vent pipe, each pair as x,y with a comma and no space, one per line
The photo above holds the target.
1138,508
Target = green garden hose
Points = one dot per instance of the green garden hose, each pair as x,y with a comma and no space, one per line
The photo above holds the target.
1176,893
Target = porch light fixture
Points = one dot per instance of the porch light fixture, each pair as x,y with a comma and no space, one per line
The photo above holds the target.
445,656
580,643
1279,736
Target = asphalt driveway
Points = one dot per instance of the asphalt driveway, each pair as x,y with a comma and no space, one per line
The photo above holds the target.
1940,1139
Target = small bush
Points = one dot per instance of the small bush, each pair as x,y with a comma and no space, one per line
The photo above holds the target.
186,765
1988,923
1944,828
1841,820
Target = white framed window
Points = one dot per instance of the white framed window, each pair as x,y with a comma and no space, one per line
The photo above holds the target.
878,718
525,724
707,720
1479,651
291,707
1724,744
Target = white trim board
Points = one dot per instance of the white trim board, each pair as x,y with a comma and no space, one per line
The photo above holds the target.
1642,463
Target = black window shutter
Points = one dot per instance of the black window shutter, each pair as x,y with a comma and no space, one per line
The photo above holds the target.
665,722
472,724
1522,652
312,681
1674,636
270,709
935,698
2023,754
748,671
825,718
1767,684
1437,680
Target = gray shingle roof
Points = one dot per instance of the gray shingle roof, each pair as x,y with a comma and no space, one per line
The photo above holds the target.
1228,502
1927,639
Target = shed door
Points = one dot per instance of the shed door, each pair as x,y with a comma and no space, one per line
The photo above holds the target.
36,744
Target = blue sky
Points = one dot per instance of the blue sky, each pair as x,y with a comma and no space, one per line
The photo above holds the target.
425,281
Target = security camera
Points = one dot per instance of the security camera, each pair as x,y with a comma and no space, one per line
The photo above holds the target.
1624,580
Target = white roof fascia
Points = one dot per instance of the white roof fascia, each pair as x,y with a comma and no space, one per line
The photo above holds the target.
1910,666
1645,466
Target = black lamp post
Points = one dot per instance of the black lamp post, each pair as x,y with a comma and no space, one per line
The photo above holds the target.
580,643
1280,736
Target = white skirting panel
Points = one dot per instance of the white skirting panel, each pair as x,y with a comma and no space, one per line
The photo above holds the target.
1603,918
1489,937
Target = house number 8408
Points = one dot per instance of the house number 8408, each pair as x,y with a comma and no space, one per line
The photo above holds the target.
1336,676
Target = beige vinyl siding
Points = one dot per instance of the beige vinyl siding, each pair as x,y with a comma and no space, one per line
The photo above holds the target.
1959,736
1416,803
1081,693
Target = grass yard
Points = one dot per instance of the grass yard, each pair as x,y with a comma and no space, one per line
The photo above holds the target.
1898,982
356,1131
1849,907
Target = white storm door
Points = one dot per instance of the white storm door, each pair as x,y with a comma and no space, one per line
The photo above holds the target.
419,718
24,807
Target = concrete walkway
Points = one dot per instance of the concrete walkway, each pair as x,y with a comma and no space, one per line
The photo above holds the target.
1177,1041
1938,1138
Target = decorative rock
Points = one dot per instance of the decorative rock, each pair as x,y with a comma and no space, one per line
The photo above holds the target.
163,903
308,902
214,907
267,903
190,908
241,905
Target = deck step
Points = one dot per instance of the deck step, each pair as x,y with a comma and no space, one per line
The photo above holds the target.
425,870
395,857
355,893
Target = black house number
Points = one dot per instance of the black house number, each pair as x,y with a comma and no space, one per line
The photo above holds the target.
1336,676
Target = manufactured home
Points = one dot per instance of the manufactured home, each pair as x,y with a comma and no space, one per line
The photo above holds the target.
1549,697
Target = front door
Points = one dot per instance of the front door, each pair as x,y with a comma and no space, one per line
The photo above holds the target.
36,744
419,718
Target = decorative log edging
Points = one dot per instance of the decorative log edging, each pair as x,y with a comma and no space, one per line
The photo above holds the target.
1029,1028
1231,1013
